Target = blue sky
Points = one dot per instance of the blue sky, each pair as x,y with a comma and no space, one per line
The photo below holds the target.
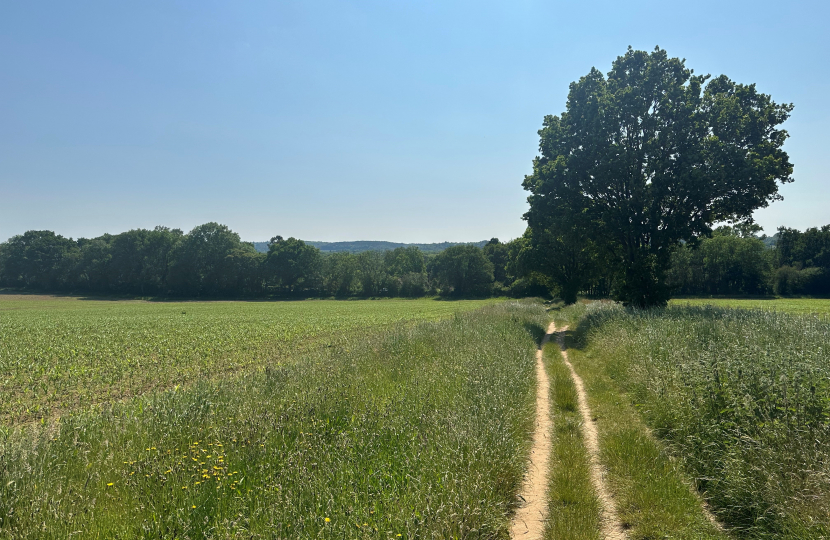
387,120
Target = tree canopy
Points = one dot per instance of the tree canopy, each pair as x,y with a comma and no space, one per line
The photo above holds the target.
292,263
644,158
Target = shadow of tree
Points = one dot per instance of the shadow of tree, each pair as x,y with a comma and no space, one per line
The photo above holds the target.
536,331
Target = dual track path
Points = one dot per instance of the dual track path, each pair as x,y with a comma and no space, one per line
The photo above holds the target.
639,493
529,521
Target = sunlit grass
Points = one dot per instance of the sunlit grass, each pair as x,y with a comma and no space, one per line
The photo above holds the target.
59,354
742,397
419,431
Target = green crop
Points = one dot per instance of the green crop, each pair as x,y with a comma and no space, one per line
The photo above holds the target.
416,431
63,354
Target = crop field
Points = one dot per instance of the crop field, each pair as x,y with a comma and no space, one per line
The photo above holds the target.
740,397
63,354
419,431
412,419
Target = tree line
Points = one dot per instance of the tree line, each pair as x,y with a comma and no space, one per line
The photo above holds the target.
212,261
735,261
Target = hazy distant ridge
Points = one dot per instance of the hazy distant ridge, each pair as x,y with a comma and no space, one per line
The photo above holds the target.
373,245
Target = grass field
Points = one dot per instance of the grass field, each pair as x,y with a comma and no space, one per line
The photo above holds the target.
741,397
419,431
819,306
62,354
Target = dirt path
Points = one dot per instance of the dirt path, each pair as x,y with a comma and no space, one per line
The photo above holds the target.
529,521
612,528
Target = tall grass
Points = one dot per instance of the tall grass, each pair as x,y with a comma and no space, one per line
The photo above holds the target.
419,432
742,395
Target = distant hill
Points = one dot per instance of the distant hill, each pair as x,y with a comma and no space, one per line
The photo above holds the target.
373,245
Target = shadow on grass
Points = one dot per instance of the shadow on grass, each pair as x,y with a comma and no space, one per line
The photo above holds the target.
536,331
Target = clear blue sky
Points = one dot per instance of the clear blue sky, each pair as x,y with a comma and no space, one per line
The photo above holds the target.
408,121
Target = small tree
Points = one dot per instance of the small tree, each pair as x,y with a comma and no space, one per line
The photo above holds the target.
340,273
651,155
497,253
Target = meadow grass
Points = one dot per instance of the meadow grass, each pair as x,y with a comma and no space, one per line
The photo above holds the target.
59,354
802,306
573,508
419,431
741,397
653,496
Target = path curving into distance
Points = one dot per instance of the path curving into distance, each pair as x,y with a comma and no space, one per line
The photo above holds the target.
612,528
529,521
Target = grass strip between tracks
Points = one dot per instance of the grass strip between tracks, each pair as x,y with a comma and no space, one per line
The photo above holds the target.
574,510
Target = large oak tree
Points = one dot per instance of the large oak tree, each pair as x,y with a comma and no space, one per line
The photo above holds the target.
646,157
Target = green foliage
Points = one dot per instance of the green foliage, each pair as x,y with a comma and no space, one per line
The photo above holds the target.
200,258
402,261
741,396
498,254
805,261
419,431
463,271
139,260
723,264
39,259
340,274
209,261
292,264
646,157
414,285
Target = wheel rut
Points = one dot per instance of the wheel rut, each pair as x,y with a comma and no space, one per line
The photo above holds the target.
612,528
529,520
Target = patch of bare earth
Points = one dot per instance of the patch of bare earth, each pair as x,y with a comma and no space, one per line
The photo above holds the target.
529,521
612,528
